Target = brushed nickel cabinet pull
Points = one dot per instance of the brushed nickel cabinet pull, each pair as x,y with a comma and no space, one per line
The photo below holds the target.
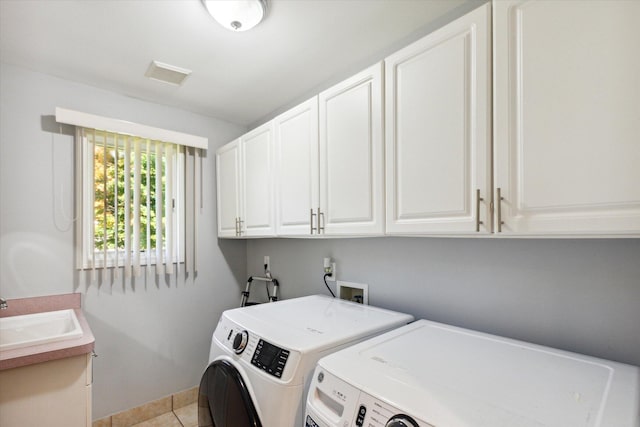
237,226
311,221
240,222
320,221
478,200
499,200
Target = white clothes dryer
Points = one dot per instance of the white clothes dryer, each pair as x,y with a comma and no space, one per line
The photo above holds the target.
262,357
427,374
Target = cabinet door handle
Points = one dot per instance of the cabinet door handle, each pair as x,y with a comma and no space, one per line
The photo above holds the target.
311,221
236,226
320,222
499,200
240,222
478,200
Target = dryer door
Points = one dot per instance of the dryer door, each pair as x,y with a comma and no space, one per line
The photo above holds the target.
223,398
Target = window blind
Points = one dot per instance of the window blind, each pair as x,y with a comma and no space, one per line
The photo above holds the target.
139,195
135,190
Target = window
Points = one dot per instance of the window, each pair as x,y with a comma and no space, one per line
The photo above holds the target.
133,201
137,193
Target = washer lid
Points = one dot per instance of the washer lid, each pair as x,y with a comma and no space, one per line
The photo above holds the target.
315,322
453,377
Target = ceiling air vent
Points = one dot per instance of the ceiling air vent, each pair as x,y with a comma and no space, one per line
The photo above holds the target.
167,73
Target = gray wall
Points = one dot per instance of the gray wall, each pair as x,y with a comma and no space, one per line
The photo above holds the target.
577,295
152,339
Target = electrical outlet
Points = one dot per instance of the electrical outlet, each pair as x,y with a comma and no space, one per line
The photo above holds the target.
330,268
333,276
266,263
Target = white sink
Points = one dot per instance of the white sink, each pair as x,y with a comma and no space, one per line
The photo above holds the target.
38,328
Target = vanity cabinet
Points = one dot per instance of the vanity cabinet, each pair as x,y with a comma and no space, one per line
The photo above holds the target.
438,131
56,393
245,187
567,117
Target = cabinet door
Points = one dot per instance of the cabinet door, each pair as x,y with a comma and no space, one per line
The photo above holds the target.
296,140
51,393
567,109
438,124
257,207
228,186
351,156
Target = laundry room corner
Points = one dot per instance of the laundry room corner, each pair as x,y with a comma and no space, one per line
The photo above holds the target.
152,336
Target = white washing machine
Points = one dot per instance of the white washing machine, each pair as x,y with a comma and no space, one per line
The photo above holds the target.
262,357
435,375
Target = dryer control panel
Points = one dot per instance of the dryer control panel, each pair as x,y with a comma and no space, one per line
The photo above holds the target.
252,349
270,358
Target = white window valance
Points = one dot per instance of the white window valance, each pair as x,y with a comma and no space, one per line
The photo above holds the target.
91,121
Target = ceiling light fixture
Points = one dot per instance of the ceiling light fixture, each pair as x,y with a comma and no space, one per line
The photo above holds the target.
237,15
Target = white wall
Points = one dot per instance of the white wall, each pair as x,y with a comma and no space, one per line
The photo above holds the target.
578,295
152,337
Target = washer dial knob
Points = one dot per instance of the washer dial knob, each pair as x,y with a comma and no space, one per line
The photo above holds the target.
240,342
401,421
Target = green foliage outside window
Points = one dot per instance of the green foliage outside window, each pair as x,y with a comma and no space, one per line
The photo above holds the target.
101,204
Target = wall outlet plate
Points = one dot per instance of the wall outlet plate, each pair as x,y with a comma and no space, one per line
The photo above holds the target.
332,278
356,292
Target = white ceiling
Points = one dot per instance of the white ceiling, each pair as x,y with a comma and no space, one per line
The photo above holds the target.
240,77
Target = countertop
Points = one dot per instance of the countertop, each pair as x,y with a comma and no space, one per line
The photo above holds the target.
49,351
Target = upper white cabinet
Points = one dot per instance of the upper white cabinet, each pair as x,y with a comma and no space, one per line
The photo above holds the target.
352,156
228,188
521,118
438,131
315,170
329,161
245,185
297,176
258,201
567,117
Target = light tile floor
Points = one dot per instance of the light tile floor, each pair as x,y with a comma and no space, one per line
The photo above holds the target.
186,416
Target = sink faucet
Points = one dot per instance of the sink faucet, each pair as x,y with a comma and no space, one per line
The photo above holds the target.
3,304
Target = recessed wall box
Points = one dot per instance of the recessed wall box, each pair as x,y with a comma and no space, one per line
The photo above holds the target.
356,292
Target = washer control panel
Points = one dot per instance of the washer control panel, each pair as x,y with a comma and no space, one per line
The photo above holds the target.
270,358
332,402
373,412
